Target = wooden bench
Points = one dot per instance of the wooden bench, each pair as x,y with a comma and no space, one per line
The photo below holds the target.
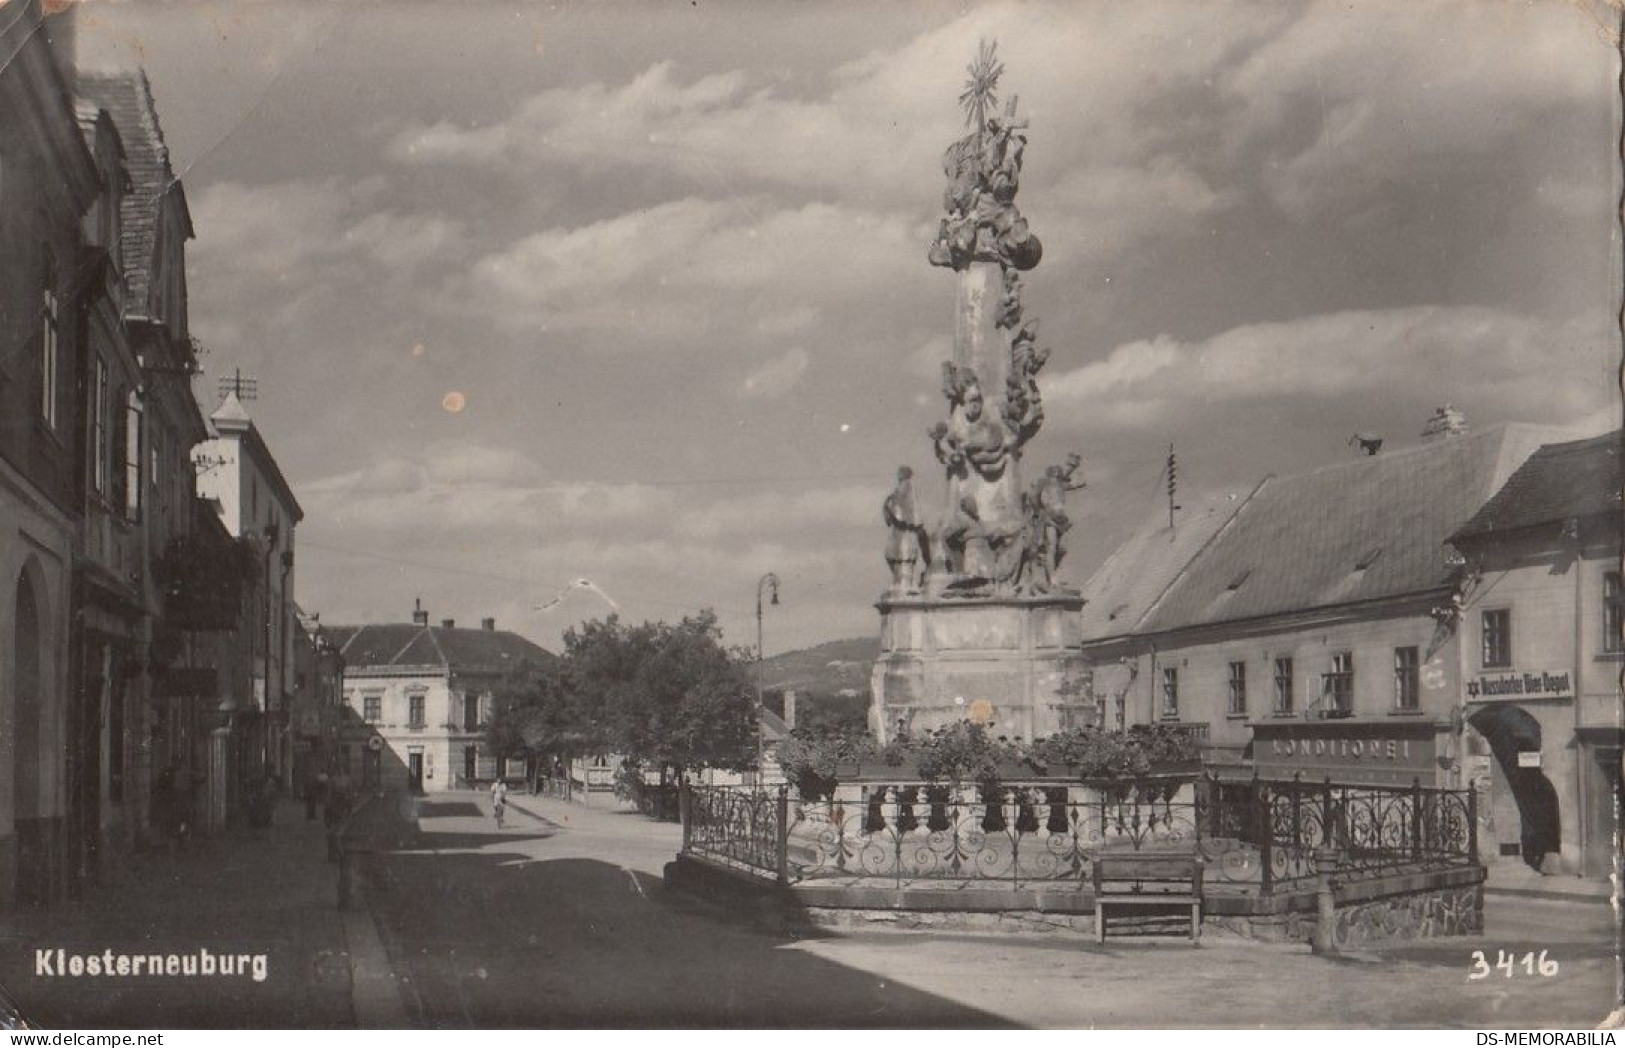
1148,880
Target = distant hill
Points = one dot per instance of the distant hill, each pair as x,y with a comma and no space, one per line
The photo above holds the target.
828,669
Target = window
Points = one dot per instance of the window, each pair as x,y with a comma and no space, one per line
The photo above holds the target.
372,708
1497,638
1613,611
415,717
1283,687
1339,686
1170,691
98,428
50,324
471,713
1407,679
1238,688
132,455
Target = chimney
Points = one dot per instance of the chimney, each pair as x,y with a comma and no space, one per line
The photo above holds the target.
488,625
448,624
1446,422
420,617
789,707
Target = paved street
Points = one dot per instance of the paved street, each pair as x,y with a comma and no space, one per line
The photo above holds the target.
269,891
561,920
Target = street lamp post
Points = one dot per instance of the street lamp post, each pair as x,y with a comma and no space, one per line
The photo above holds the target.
771,582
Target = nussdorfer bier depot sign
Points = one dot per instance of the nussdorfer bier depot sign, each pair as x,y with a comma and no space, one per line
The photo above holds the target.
1380,753
1501,687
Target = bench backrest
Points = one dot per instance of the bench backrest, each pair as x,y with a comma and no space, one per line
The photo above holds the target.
1162,870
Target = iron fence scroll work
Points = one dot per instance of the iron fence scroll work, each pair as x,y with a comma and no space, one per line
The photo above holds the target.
1262,836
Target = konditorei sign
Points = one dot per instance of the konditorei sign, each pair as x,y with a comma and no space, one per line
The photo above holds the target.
1543,684
1347,751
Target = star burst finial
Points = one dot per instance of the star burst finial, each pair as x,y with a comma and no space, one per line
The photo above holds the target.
982,87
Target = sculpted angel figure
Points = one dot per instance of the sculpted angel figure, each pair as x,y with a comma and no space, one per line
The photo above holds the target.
973,439
1046,504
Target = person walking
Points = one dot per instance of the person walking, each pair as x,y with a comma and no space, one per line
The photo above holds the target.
499,799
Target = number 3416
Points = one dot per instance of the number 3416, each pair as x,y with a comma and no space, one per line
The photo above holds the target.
1509,963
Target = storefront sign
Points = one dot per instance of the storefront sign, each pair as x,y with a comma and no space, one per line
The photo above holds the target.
1377,753
1490,687
1529,759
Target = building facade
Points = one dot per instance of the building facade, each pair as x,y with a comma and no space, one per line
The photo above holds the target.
48,182
1306,627
238,474
1541,617
417,698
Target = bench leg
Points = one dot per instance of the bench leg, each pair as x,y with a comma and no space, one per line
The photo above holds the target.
1196,923
1100,921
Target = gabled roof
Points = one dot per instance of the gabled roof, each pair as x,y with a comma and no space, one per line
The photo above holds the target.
1365,529
401,644
1125,588
127,97
1559,482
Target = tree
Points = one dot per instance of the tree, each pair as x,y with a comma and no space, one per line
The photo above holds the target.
666,697
671,696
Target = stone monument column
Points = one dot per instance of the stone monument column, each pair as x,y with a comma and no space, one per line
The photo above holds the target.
979,344
990,632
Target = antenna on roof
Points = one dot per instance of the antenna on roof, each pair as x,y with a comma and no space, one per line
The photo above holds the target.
1173,485
237,383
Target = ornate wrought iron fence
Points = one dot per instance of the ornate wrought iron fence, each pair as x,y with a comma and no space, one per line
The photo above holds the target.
741,826
1261,836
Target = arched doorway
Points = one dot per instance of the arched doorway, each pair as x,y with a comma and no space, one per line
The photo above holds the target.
1511,730
27,682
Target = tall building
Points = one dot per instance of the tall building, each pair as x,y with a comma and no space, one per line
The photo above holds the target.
49,181
238,473
1306,628
1541,614
417,698
135,479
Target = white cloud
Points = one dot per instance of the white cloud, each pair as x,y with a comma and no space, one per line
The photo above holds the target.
693,264
1447,81
1504,365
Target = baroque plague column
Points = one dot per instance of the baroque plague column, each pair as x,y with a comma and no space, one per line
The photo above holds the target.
975,624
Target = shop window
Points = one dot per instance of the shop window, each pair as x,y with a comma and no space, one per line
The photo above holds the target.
1283,687
1170,691
1496,637
1613,611
1238,688
1407,679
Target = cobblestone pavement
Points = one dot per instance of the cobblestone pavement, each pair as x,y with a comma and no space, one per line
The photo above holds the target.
561,920
269,891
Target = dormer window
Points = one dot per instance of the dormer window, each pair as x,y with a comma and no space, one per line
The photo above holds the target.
1236,582
1368,558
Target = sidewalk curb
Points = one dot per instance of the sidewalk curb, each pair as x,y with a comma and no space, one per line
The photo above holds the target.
1546,896
375,995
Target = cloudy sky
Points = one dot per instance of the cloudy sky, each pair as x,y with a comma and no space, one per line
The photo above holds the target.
670,259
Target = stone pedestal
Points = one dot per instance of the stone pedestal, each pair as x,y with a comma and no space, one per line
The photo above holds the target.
1012,662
